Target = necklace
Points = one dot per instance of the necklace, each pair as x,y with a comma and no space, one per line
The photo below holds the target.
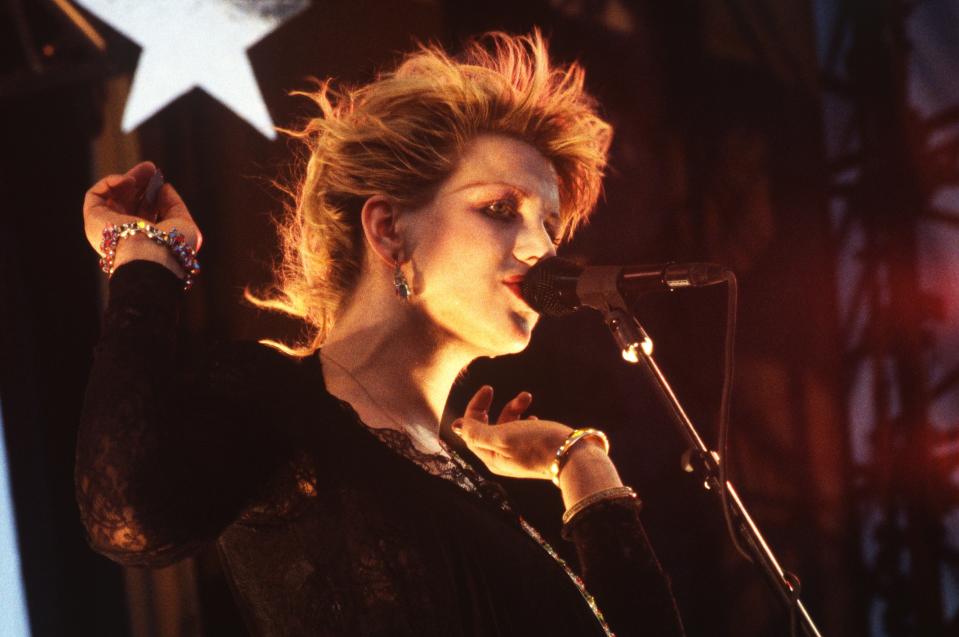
476,481
423,440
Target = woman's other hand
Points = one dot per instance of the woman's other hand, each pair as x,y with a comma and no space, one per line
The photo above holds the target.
514,447
114,200
525,448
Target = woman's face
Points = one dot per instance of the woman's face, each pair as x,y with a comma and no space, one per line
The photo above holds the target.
492,219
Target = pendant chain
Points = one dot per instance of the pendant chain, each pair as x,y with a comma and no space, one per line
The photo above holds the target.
365,391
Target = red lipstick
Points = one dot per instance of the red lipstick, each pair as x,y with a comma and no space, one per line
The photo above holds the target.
513,283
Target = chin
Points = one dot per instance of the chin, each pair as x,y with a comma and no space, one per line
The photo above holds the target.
506,349
498,333
517,335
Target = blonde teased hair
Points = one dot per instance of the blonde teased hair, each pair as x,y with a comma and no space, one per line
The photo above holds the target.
401,136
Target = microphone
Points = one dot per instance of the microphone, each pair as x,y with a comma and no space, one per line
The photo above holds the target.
557,286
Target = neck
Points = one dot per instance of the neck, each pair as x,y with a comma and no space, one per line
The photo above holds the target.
391,355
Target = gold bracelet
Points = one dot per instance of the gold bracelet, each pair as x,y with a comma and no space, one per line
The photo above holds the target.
559,459
605,494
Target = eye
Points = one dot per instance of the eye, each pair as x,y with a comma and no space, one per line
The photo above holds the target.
506,209
503,209
554,230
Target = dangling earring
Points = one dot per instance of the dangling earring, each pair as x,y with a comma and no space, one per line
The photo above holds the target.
400,284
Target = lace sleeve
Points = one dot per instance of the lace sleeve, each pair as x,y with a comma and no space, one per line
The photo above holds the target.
621,570
169,452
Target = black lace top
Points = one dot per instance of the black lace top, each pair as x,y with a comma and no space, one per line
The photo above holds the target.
325,527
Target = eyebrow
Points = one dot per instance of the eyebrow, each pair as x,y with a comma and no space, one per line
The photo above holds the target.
475,184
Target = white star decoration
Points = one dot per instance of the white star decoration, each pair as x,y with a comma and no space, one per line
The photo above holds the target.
195,43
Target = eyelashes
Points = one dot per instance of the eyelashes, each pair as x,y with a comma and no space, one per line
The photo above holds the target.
506,209
554,233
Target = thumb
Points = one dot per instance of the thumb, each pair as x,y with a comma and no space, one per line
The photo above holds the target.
170,205
172,209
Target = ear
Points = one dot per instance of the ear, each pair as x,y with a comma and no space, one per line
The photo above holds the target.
379,216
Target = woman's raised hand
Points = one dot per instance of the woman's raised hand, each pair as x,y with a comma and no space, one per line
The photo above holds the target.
114,199
514,446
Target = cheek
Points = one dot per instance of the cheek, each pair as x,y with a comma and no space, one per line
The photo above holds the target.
469,245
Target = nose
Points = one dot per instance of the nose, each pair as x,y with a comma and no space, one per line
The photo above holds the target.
533,244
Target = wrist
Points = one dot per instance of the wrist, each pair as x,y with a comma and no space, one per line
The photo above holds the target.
139,247
574,438
598,496
181,255
588,469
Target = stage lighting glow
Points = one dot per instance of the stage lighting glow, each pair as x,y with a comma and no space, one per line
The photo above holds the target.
13,617
195,43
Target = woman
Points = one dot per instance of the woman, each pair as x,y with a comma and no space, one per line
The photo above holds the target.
320,473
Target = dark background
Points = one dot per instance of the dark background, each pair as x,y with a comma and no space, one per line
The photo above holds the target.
777,137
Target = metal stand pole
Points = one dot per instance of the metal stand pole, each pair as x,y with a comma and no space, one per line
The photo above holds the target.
637,348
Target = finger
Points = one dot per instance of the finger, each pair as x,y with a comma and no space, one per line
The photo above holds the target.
102,187
476,433
478,406
116,193
172,210
102,192
123,187
513,410
170,205
142,173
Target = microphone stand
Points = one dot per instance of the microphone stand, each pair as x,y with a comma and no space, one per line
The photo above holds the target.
637,348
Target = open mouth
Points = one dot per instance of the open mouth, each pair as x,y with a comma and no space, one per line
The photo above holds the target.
514,283
515,289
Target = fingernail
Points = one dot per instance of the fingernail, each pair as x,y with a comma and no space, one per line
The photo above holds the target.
457,427
525,396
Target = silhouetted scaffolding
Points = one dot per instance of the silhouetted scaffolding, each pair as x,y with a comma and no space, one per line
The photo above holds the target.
888,166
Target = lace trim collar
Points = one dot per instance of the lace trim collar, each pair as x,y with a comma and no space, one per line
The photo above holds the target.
448,466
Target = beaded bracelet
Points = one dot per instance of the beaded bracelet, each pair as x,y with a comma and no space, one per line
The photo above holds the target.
174,240
575,436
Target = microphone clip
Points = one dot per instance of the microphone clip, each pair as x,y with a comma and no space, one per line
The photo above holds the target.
597,289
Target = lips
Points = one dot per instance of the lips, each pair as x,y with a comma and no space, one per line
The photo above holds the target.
513,283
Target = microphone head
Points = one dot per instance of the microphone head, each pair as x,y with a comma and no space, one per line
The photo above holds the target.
549,287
